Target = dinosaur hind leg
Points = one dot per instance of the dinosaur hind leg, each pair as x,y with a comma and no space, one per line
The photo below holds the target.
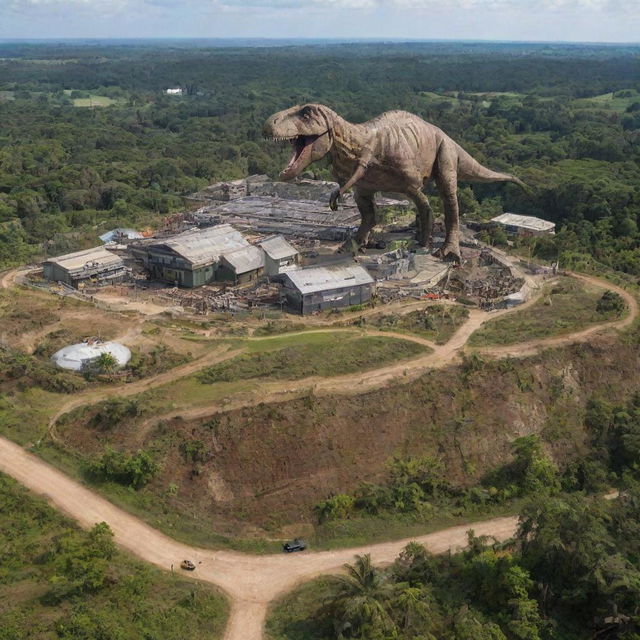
424,219
367,208
447,181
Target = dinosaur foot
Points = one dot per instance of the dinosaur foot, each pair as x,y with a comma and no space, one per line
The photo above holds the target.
353,246
449,252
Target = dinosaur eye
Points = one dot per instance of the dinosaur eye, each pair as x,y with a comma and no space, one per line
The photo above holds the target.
306,112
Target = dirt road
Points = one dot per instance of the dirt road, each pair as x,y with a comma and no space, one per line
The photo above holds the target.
250,581
253,581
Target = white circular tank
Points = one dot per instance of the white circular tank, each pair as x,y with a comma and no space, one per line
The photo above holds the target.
76,356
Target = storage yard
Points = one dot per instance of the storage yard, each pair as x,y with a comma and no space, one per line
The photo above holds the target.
256,244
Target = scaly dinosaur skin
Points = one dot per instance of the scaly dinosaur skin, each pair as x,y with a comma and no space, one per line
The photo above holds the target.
397,151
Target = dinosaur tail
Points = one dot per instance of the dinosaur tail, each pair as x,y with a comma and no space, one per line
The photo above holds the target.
471,170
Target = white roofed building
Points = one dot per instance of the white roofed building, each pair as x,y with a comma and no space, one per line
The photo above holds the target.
280,256
516,224
321,288
90,266
242,265
77,356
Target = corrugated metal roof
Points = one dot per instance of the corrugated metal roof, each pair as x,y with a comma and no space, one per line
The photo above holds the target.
204,246
277,248
315,279
88,258
245,259
526,222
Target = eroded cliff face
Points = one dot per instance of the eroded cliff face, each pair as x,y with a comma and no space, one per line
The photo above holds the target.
261,468
274,462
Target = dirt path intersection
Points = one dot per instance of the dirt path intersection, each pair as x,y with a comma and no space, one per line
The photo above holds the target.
252,582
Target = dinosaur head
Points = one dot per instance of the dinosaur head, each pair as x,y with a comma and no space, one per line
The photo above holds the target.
308,128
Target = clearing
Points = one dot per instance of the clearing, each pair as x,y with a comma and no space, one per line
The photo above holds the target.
566,305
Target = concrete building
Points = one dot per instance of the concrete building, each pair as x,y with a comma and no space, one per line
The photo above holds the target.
320,288
90,266
191,259
279,256
241,266
175,91
515,224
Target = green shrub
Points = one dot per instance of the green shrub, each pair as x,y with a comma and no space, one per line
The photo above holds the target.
611,302
129,470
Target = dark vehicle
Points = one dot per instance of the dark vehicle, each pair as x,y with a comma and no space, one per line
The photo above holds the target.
294,545
187,565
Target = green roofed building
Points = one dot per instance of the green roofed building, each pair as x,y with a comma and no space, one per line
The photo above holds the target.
192,258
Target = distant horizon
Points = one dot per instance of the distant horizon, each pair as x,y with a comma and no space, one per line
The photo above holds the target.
345,40
527,21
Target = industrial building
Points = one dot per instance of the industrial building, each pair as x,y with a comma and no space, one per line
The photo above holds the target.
192,258
515,224
241,266
281,216
320,288
279,256
90,266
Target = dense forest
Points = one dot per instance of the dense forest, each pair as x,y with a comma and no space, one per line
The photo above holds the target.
89,140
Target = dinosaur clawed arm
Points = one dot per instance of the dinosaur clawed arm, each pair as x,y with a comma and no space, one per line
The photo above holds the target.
357,175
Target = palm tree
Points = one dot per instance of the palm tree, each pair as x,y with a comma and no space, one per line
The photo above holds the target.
357,602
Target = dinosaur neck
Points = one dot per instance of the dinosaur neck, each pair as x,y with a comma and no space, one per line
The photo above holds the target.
348,139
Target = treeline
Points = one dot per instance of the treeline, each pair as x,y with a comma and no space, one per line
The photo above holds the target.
572,572
68,173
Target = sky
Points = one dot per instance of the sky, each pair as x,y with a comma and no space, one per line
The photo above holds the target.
514,20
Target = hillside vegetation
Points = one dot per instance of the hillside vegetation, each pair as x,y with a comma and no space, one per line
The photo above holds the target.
564,118
571,573
57,581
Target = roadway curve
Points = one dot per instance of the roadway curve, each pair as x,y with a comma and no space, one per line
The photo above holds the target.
252,582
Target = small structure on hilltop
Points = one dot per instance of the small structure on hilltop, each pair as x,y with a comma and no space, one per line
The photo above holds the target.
120,235
90,266
174,91
78,356
517,225
279,256
321,288
191,258
241,266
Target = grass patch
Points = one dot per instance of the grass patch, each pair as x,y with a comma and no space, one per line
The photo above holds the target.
437,323
365,529
322,355
95,101
273,328
42,597
566,305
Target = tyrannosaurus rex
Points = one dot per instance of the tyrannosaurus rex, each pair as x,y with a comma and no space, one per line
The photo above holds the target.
397,152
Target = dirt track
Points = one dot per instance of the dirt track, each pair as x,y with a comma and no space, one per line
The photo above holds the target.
250,581
253,581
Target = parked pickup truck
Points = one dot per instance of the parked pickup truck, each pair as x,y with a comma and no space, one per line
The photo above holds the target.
294,545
